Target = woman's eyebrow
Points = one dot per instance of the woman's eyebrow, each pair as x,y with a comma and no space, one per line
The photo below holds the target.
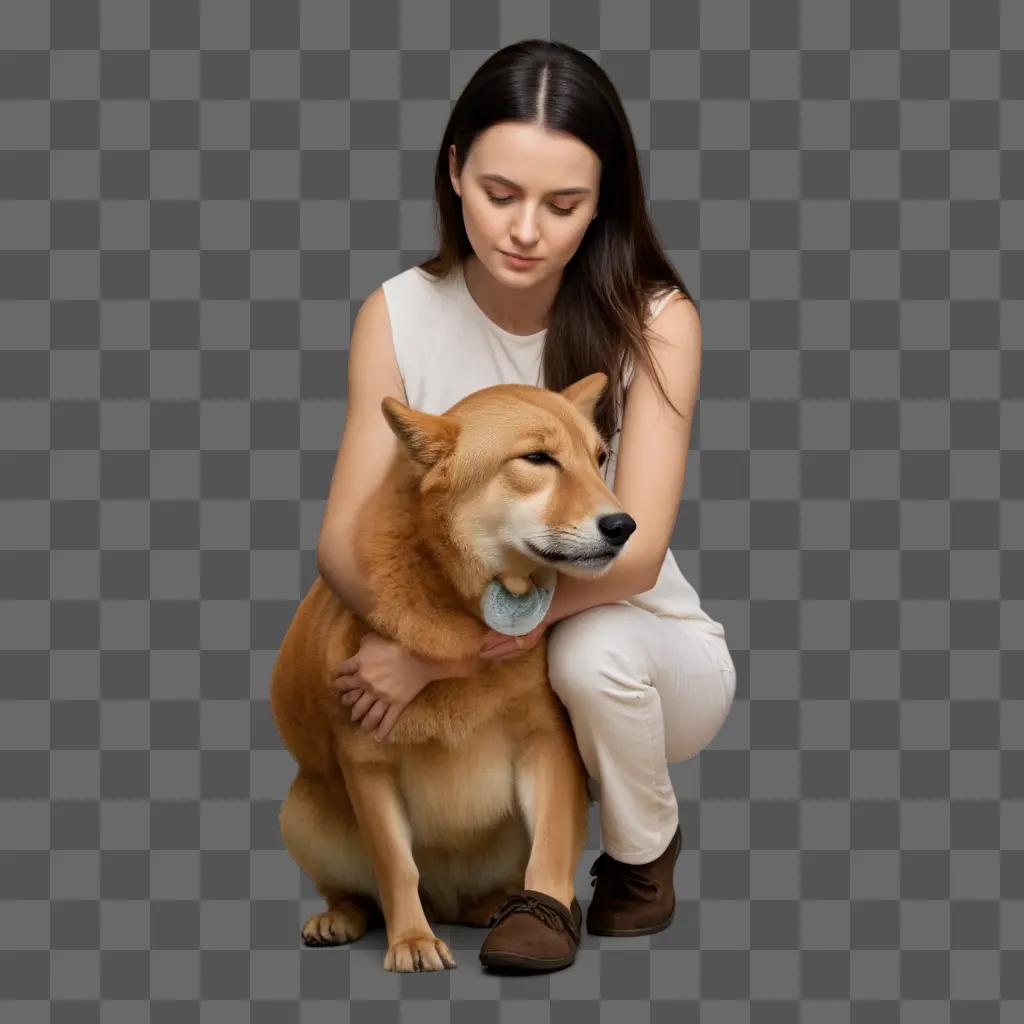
554,192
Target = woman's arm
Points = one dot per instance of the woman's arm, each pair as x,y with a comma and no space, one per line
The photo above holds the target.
624,579
572,595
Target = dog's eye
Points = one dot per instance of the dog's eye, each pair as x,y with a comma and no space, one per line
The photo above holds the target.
602,458
539,458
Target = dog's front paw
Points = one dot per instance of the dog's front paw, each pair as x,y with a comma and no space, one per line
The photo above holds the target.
420,951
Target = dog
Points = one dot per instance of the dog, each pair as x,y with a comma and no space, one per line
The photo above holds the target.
480,777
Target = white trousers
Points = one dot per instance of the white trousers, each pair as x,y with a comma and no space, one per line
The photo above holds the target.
642,691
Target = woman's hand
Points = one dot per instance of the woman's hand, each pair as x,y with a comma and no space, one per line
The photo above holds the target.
497,646
380,680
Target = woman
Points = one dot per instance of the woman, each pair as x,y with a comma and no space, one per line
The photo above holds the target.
549,269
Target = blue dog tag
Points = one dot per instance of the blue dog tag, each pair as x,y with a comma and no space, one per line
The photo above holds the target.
512,614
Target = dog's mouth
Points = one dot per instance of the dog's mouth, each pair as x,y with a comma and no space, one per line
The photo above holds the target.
597,558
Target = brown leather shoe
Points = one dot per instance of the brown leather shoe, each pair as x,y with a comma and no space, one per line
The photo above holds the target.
532,931
633,899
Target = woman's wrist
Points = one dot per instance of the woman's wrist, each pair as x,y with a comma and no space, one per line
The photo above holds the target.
440,668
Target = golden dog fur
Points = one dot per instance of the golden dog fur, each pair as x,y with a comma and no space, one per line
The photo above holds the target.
480,777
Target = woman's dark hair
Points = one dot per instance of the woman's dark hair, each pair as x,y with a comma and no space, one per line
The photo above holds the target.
598,317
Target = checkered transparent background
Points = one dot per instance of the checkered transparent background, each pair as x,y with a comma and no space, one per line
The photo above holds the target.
194,200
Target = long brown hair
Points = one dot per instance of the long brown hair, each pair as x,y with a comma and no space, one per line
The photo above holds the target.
598,318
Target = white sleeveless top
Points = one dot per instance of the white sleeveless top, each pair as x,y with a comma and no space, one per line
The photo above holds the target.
447,348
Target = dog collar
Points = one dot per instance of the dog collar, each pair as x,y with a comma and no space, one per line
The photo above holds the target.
512,614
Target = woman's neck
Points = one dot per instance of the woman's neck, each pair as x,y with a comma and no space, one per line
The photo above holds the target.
516,310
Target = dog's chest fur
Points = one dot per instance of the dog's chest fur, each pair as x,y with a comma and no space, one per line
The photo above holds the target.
453,793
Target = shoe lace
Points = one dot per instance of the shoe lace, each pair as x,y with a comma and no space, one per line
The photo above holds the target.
518,901
625,879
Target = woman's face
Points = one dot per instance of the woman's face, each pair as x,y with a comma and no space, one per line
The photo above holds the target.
539,205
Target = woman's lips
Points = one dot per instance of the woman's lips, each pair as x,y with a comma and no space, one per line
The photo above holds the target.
520,260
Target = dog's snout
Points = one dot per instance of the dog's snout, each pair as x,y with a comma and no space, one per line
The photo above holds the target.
616,528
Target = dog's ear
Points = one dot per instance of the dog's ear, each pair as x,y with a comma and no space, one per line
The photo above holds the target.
586,391
427,438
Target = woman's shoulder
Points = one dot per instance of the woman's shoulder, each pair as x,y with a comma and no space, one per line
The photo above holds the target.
658,296
414,277
416,290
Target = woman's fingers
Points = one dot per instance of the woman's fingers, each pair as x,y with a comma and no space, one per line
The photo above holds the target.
372,717
346,682
493,640
388,721
510,645
501,646
352,696
361,706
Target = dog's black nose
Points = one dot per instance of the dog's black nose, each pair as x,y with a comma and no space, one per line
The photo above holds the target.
616,528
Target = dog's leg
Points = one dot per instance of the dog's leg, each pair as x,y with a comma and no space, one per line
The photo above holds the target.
384,825
322,838
551,789
347,917
477,912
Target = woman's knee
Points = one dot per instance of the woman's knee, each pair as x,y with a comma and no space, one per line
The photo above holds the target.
584,648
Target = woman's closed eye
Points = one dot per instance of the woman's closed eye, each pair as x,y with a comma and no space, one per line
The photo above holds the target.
502,200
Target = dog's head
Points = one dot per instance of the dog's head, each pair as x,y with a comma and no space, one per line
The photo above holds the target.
512,476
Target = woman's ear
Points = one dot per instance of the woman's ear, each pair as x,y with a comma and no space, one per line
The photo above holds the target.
452,174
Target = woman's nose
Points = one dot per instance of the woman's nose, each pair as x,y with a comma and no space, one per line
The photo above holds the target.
526,228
